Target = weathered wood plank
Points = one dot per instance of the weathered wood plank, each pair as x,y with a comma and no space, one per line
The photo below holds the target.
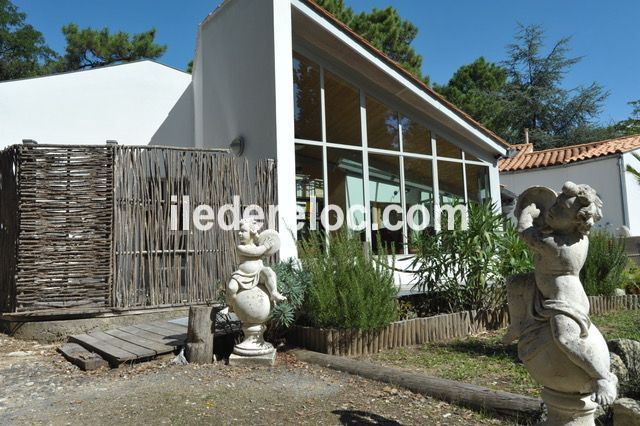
80,356
138,351
111,353
158,347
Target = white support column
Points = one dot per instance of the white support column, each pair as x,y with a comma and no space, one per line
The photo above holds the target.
494,183
284,127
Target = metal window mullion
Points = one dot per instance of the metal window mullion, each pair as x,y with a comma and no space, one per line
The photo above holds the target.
365,167
464,181
403,200
436,186
325,173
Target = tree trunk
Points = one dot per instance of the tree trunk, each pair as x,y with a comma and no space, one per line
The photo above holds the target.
199,347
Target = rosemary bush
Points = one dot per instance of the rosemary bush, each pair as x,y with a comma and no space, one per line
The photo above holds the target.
347,288
605,266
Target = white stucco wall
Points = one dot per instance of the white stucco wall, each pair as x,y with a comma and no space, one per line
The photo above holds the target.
135,104
633,193
244,76
601,174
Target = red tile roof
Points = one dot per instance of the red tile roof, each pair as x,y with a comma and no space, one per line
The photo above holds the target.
366,44
527,158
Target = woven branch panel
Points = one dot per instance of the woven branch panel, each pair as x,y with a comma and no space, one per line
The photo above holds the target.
156,266
64,206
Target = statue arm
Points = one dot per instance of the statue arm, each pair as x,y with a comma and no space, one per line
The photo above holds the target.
528,230
253,251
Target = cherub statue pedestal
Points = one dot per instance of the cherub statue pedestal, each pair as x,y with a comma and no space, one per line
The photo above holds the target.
251,291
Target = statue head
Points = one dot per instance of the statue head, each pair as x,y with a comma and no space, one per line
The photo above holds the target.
576,209
248,231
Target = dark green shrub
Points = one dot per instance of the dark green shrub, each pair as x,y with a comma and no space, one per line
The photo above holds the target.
462,269
292,283
347,289
604,268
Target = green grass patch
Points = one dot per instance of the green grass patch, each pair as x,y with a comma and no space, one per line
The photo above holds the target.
484,360
619,325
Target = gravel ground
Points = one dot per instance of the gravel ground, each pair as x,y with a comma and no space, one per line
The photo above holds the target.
38,386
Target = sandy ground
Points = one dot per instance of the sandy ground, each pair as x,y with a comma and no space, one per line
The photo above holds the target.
38,386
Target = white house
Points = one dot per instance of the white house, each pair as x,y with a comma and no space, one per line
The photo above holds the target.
601,165
345,123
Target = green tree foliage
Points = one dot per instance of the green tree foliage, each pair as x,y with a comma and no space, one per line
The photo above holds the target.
89,48
23,52
384,29
535,96
478,89
525,92
635,172
631,126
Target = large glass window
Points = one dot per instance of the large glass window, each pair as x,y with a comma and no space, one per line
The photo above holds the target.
398,147
478,187
306,97
418,186
415,138
382,126
345,186
309,184
342,111
386,201
444,148
451,182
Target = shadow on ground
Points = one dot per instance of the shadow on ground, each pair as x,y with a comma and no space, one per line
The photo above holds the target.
355,417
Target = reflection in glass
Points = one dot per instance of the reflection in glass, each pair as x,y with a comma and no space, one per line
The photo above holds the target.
345,185
384,191
342,105
309,183
382,126
306,97
444,148
415,138
478,187
450,182
418,186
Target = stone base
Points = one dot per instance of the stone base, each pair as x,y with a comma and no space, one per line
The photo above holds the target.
565,409
266,359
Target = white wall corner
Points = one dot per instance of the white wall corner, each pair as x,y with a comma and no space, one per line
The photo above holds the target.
286,177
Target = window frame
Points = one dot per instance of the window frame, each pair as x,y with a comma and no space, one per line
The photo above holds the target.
435,132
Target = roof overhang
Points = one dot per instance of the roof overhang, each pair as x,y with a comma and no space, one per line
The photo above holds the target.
345,49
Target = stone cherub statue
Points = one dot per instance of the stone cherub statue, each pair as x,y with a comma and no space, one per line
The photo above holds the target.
252,288
549,309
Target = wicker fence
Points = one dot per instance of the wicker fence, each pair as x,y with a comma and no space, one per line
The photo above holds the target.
424,330
88,227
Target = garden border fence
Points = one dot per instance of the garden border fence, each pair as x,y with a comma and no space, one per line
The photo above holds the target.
85,228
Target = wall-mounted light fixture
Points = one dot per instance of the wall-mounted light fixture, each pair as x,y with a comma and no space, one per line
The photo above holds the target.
237,146
112,142
29,142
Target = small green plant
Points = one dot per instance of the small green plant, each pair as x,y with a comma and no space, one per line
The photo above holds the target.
464,269
292,283
347,287
604,268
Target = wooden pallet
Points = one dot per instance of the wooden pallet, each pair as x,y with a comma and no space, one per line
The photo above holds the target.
142,342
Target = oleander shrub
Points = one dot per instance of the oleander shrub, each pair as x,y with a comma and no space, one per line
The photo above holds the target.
467,269
348,288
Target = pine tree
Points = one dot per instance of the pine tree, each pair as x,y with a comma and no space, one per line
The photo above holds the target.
23,52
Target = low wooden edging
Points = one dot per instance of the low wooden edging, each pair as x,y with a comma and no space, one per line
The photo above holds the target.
397,334
424,330
508,404
606,304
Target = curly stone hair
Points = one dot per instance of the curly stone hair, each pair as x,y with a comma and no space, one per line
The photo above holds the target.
591,205
252,225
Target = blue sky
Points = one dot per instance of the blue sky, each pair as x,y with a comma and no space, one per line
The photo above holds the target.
452,33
